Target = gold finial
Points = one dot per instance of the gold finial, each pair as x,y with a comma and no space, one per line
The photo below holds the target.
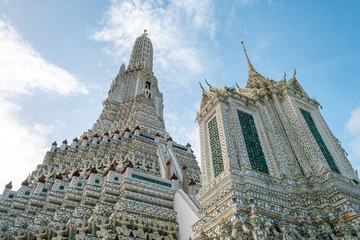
145,33
242,43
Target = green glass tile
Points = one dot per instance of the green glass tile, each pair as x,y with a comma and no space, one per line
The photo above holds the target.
311,124
215,146
252,142
151,180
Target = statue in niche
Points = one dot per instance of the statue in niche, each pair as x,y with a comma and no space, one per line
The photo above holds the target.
41,233
82,229
60,231
139,233
169,233
155,235
103,227
20,235
123,229
148,93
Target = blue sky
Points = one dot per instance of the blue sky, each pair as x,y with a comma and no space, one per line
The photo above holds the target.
57,60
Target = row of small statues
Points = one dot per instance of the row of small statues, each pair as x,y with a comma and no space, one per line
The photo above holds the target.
117,162
260,229
102,229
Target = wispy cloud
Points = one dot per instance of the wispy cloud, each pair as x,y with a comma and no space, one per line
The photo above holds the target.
22,146
22,71
353,127
174,28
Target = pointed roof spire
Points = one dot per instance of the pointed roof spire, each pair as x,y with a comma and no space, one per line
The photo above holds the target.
253,74
9,185
252,70
142,52
25,183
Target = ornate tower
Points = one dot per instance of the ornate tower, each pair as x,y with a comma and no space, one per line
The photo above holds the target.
124,178
271,167
134,98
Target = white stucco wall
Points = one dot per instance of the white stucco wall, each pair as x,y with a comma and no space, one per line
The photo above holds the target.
187,214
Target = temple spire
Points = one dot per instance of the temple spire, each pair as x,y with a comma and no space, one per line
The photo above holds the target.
252,70
254,76
142,52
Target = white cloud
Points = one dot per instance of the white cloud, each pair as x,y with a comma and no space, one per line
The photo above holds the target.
174,28
22,71
353,127
22,146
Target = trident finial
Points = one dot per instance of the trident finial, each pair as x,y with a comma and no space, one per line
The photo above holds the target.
207,83
201,86
145,33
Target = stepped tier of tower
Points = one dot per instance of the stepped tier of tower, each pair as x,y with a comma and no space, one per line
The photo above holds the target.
117,178
125,178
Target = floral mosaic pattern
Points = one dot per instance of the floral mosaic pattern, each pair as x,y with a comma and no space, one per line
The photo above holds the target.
215,147
311,124
252,142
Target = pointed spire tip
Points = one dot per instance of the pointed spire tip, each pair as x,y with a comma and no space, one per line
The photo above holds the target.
145,33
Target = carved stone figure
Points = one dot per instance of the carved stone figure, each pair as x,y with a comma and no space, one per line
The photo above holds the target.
60,230
104,225
139,233
21,234
41,233
123,230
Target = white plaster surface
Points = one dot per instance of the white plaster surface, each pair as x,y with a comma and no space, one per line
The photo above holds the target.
187,214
